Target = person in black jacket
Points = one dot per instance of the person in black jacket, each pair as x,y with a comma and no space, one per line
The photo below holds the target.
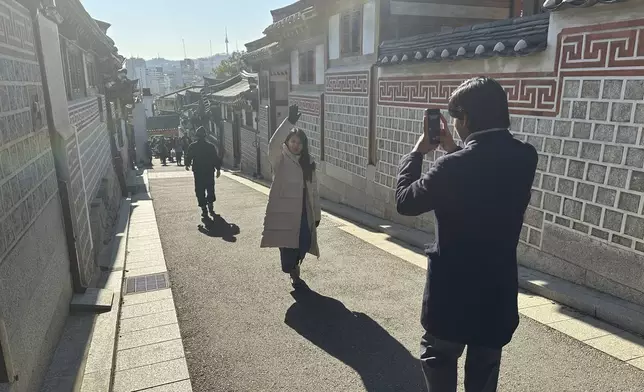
479,194
204,159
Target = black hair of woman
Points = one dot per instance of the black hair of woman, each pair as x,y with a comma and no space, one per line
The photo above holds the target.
306,161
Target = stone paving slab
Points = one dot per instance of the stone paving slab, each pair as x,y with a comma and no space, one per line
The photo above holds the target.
150,376
150,354
149,321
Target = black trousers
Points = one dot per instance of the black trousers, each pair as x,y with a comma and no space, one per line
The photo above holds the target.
439,359
205,189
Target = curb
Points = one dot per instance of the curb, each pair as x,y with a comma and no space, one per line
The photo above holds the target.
100,359
613,310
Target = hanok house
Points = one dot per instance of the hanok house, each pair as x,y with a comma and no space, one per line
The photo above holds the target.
59,174
236,103
166,126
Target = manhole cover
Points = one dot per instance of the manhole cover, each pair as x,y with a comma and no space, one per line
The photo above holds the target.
144,283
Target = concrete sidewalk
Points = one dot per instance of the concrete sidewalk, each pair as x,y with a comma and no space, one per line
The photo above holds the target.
150,354
536,302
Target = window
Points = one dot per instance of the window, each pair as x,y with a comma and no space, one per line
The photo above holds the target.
307,67
351,32
76,69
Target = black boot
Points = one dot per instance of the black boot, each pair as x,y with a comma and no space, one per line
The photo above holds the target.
204,212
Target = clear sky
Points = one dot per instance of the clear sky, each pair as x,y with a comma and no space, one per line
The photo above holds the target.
147,28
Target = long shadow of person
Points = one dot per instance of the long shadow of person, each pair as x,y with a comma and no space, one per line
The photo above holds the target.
219,228
382,362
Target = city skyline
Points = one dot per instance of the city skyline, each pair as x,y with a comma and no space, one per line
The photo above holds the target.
151,38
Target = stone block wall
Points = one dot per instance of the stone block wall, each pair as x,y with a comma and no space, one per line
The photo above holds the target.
310,121
34,263
585,119
346,121
263,129
248,151
229,156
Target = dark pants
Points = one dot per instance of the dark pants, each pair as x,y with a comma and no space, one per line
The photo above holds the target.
291,257
439,359
179,155
205,189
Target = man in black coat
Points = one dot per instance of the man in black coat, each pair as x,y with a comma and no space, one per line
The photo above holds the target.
479,194
204,159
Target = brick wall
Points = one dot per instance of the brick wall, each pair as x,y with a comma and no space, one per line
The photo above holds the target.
263,140
346,122
585,119
248,151
34,264
310,122
229,157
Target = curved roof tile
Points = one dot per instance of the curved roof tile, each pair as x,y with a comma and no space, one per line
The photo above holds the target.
555,5
510,37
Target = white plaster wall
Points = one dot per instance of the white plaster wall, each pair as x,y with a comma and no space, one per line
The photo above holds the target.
319,64
295,67
334,37
369,28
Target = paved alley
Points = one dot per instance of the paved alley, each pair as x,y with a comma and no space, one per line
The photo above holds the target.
244,329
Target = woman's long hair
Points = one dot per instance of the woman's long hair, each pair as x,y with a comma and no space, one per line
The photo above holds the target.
306,162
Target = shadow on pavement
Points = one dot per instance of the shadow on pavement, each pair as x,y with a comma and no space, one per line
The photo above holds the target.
219,228
383,363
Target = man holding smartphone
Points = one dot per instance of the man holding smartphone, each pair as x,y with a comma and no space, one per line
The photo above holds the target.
479,194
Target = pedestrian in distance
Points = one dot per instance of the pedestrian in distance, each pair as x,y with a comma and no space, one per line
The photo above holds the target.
293,210
163,151
479,194
204,159
178,150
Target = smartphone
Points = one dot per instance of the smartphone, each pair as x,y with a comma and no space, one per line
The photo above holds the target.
433,124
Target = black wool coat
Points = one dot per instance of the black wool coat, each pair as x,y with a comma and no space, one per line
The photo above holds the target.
479,195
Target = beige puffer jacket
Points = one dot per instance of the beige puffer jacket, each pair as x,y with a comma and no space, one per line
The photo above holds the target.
284,209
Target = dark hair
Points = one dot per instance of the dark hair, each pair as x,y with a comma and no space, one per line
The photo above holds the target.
306,162
484,101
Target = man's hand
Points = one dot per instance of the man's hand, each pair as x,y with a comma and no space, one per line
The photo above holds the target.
293,114
424,146
218,173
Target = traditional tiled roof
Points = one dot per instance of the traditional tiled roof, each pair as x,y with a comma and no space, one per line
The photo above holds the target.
555,5
287,10
236,90
292,24
257,44
262,53
171,121
510,37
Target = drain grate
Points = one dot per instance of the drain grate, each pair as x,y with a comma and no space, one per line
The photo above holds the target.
142,284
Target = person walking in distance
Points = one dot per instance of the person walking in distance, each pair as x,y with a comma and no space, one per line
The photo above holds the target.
178,150
204,159
163,151
479,194
293,210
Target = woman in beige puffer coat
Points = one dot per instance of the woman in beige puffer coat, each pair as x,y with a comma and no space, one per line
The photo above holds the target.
293,210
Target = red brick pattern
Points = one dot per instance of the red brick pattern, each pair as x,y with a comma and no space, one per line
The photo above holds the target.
614,49
355,84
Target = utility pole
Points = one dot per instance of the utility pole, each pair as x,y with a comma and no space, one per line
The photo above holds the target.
185,55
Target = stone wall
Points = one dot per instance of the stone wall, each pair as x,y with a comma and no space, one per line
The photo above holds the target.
248,151
263,124
310,121
346,121
585,119
34,264
229,156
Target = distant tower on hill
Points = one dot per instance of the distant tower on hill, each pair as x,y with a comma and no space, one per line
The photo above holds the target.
227,53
